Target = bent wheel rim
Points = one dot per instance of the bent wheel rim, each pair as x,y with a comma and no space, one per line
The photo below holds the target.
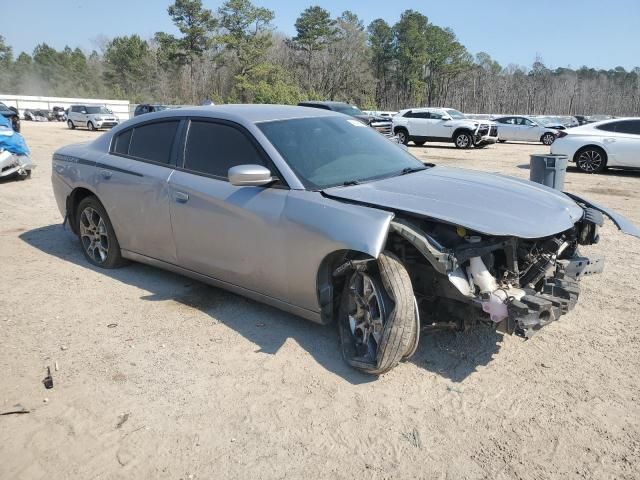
94,235
590,160
367,315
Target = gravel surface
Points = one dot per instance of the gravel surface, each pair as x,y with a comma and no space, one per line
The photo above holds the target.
160,376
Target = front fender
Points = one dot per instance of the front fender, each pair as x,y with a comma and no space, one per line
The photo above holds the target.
623,223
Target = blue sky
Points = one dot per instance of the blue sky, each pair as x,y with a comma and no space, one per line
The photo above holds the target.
597,33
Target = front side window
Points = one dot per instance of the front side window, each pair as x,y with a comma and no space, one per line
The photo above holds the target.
435,115
213,148
153,141
330,151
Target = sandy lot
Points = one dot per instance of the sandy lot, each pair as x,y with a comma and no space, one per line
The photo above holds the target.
194,382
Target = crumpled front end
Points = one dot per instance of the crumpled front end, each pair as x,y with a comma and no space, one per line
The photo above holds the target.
12,164
461,277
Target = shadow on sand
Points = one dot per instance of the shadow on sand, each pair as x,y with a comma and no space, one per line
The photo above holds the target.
453,355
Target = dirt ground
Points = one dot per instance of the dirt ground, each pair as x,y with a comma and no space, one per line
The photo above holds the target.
163,377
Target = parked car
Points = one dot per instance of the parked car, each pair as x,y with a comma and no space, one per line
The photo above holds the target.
59,114
37,115
596,146
379,123
149,108
91,116
524,129
421,125
308,211
12,115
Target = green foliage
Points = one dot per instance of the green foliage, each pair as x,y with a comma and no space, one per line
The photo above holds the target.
126,62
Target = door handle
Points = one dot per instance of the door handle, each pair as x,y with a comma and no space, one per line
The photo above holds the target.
106,174
609,140
181,197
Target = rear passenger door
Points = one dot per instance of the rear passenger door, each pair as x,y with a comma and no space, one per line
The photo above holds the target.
224,231
625,144
417,124
133,187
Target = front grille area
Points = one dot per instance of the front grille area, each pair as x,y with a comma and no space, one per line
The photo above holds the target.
382,127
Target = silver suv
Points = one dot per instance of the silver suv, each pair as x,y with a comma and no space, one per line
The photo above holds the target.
91,116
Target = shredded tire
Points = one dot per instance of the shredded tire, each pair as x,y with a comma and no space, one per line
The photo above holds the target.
399,331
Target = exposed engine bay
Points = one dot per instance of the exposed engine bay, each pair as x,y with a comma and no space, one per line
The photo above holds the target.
461,277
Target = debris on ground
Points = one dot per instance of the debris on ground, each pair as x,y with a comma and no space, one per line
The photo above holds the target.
122,419
17,409
48,380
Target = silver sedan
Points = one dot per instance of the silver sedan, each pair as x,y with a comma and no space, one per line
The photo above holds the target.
314,213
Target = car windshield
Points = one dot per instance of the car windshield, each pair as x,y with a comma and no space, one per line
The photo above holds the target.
455,114
94,110
160,108
348,110
4,108
329,151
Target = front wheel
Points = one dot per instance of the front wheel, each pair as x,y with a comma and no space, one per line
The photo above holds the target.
377,318
463,140
91,126
403,137
591,160
99,243
548,138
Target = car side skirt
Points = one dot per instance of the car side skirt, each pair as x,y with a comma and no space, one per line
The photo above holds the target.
274,302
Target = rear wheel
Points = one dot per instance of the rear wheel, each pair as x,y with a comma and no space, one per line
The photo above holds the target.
99,243
591,159
463,140
377,319
70,125
548,138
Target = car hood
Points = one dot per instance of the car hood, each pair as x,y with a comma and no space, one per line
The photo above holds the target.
487,203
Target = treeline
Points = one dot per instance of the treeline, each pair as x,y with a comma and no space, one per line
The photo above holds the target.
235,55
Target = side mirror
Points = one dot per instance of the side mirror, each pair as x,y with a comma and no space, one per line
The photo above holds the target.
249,176
444,119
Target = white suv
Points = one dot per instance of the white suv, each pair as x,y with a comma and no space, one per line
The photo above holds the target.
91,116
422,125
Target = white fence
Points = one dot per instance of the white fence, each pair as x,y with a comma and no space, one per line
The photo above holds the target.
23,102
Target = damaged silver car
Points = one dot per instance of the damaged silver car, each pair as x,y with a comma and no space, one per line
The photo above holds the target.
312,212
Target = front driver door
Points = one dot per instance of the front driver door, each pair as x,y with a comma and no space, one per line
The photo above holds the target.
230,233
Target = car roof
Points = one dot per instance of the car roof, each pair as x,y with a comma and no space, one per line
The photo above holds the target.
328,103
242,113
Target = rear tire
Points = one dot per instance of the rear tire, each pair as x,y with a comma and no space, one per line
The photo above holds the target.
463,140
70,125
377,316
591,159
97,237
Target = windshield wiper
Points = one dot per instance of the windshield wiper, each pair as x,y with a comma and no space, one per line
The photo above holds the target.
407,170
348,183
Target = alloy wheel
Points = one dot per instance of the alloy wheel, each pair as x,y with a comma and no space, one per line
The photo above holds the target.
462,141
590,161
366,315
548,139
94,235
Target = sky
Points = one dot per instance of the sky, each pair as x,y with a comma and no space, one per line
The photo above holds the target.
564,33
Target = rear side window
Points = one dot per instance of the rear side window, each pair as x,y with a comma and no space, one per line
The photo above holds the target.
629,126
609,127
121,142
213,148
153,141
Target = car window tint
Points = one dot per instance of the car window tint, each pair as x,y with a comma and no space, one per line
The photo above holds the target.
213,148
435,115
629,126
121,142
609,127
153,141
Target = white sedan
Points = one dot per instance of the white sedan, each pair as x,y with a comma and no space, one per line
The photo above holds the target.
596,146
524,129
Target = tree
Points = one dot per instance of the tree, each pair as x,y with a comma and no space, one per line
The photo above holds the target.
126,62
6,61
247,37
410,33
197,25
381,44
315,31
